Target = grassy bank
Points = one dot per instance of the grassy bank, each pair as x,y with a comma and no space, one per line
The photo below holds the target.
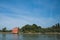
41,33
5,32
30,33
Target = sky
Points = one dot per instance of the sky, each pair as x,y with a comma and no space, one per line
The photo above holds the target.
17,13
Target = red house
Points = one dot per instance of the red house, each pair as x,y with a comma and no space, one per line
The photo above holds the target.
15,30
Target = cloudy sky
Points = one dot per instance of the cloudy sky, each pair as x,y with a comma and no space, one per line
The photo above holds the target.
14,13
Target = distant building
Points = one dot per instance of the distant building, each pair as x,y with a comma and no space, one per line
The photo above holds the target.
15,30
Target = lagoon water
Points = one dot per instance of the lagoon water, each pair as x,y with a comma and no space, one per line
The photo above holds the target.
29,37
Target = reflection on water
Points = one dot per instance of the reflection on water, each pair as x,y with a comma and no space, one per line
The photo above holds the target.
29,37
15,36
3,36
58,37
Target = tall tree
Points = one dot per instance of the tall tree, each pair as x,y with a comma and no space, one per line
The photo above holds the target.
4,29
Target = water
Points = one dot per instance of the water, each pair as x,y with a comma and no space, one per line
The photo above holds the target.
29,37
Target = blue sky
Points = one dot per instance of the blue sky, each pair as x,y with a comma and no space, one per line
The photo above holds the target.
17,13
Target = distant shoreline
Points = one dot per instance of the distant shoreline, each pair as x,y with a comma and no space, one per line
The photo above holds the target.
40,33
31,33
5,32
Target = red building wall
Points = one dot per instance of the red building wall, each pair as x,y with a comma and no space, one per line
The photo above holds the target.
15,30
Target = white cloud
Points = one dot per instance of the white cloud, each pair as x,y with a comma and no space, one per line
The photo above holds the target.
11,22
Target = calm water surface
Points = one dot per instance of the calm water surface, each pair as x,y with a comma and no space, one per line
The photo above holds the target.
29,37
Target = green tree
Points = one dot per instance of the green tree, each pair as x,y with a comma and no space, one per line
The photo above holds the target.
31,28
26,28
56,28
4,29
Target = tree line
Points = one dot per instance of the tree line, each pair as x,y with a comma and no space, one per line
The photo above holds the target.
5,30
36,29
